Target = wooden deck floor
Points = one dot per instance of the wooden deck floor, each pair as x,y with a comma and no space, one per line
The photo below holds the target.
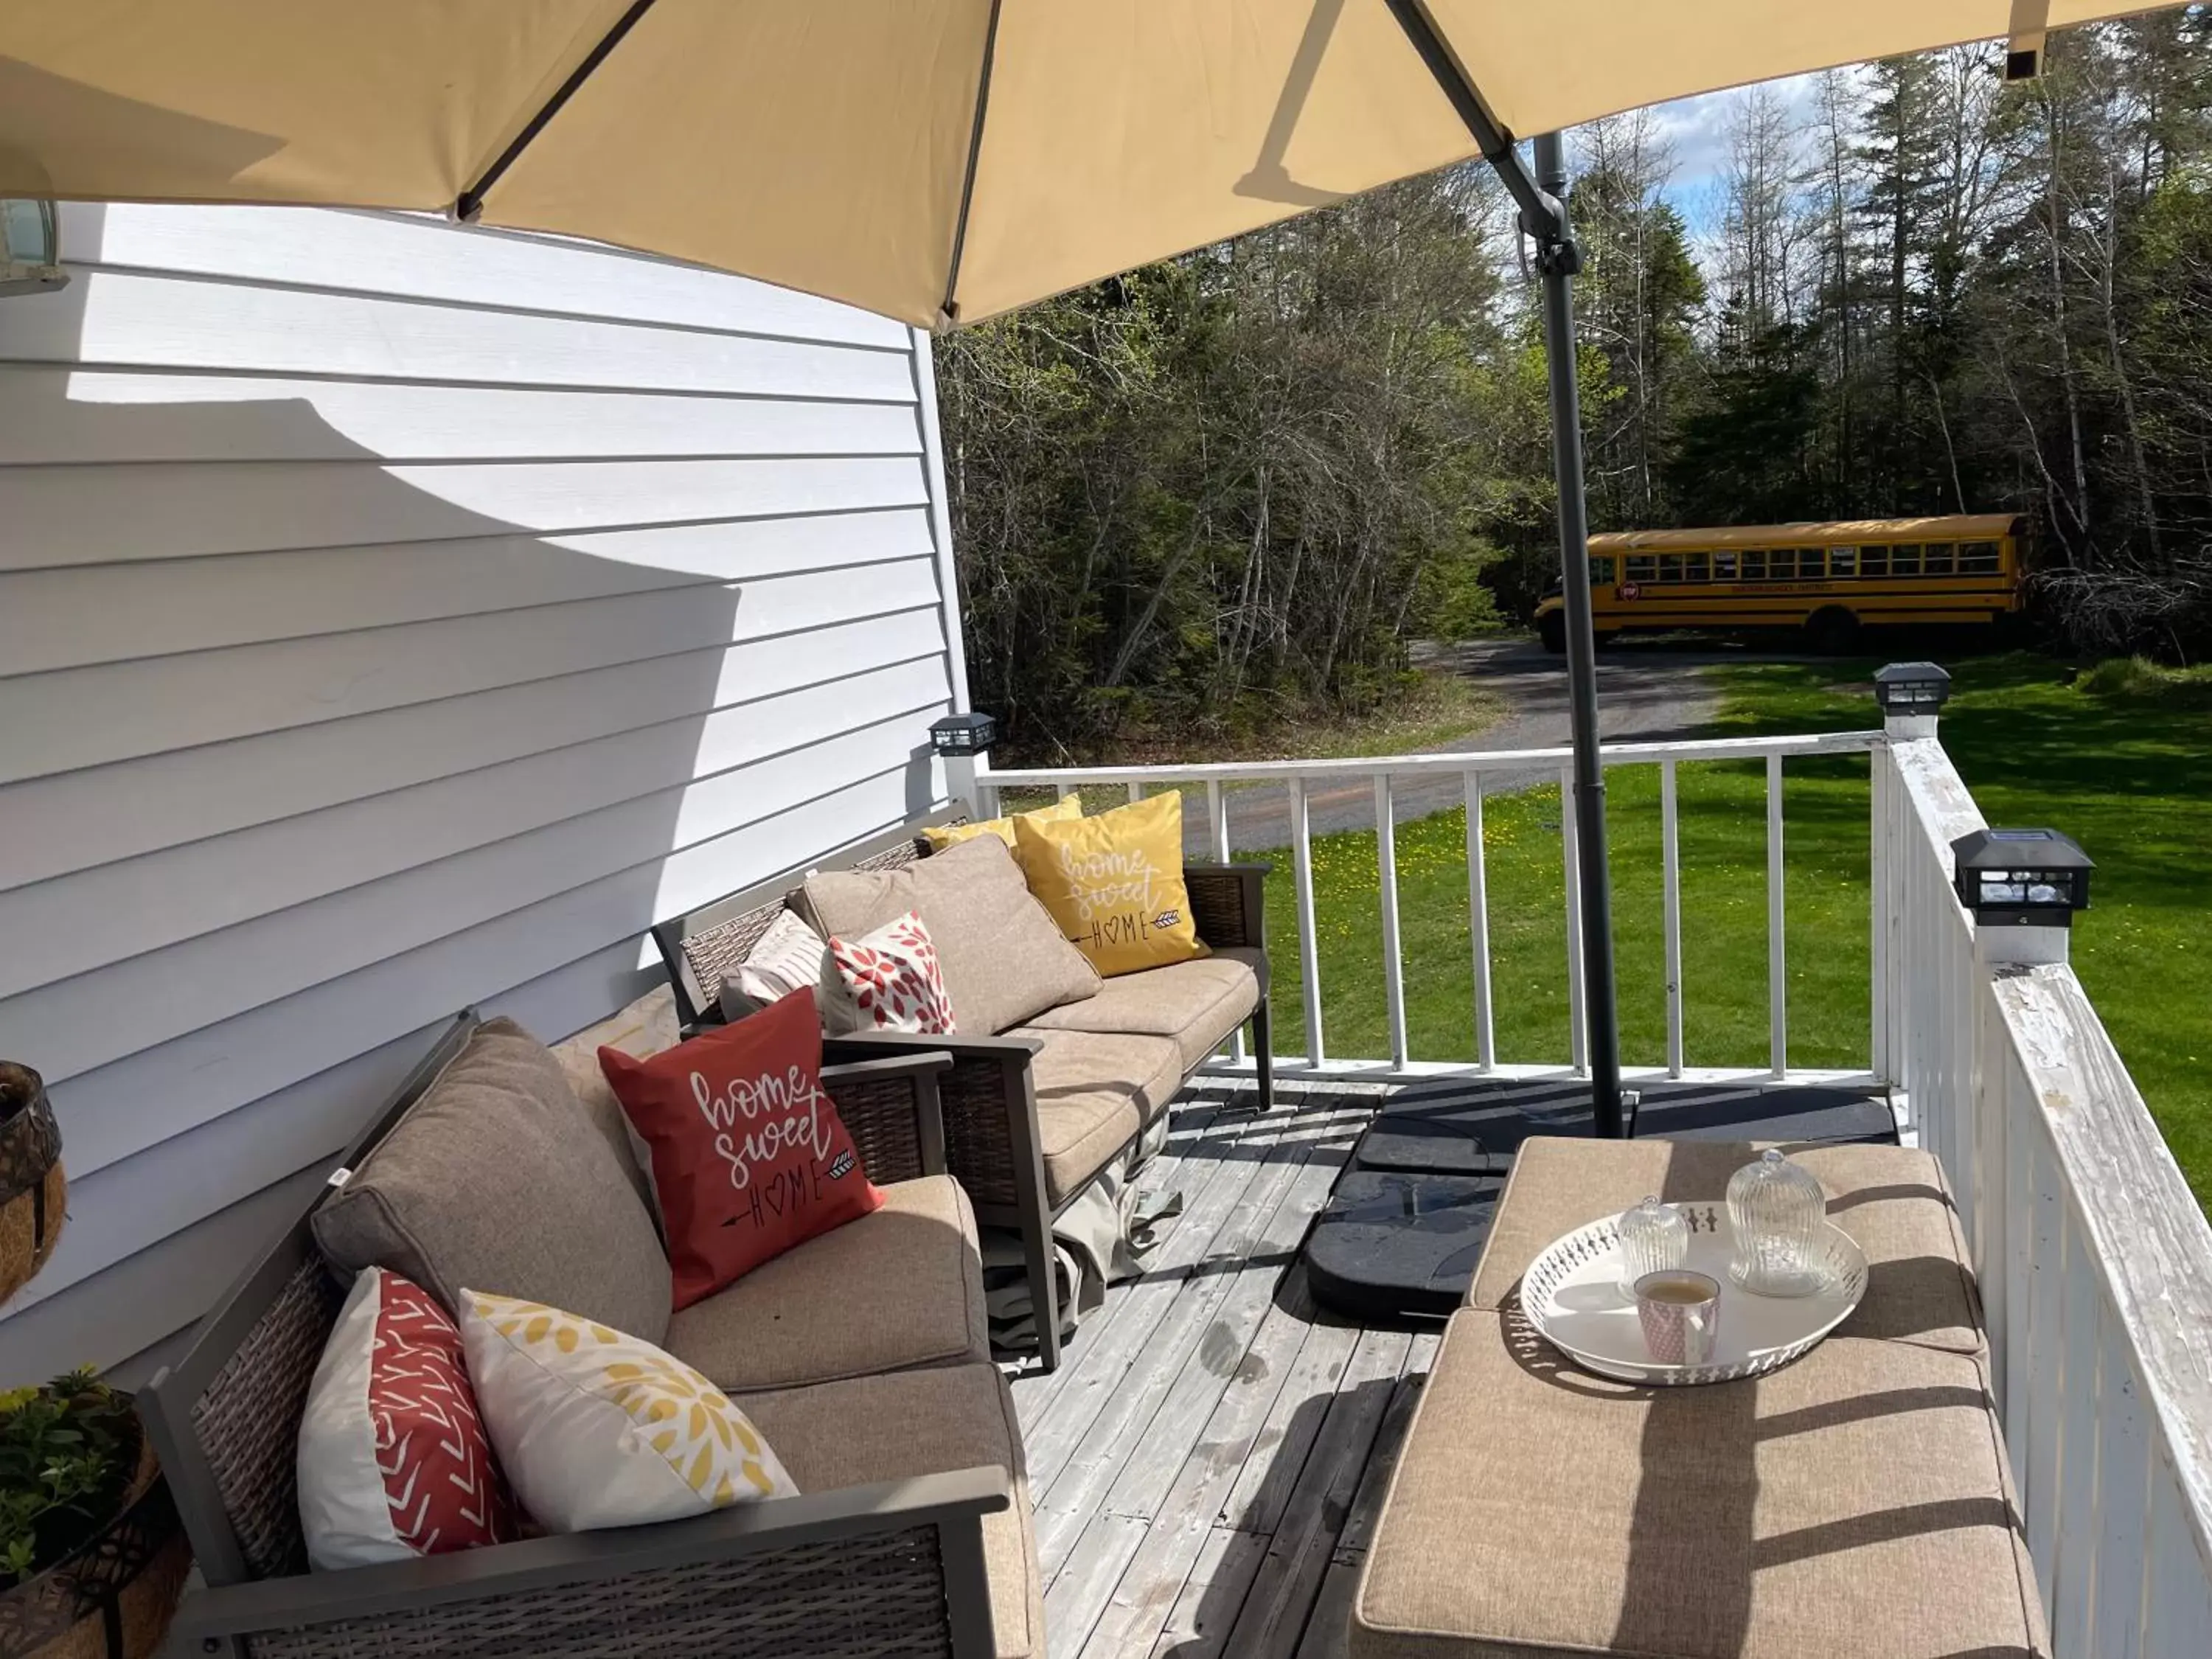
1206,1463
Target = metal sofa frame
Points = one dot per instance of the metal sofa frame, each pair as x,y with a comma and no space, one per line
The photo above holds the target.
988,1095
897,1565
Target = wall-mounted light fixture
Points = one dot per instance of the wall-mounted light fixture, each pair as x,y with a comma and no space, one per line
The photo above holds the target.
30,248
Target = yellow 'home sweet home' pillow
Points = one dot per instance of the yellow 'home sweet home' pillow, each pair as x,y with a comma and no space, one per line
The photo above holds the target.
1113,882
942,835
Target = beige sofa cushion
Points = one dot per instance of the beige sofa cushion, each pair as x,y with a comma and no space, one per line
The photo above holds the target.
906,1424
1891,1199
1003,957
1853,1505
642,1030
499,1179
901,1286
1197,1003
1095,1091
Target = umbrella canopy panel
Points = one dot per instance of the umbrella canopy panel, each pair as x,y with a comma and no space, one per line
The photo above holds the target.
914,157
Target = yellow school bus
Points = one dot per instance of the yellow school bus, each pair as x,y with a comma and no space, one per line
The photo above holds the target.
1824,578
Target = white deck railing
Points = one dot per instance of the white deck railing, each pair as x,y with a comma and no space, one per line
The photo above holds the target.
2095,1259
1478,773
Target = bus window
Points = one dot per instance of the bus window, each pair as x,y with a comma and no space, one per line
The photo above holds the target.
1874,561
1724,567
1754,567
1641,566
1670,567
1811,562
1782,564
1978,559
1697,570
1843,561
1939,559
1905,559
1601,570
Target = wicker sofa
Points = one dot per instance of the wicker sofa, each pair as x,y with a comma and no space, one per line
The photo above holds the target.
862,1355
1033,1115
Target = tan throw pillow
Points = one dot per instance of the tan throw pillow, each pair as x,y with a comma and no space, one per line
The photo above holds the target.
1002,957
498,1176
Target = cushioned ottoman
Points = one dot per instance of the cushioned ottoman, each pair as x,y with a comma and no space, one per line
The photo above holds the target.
1856,1503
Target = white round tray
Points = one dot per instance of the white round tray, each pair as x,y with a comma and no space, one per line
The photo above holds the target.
1572,1294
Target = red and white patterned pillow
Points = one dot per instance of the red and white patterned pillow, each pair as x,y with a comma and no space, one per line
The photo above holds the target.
893,975
394,1462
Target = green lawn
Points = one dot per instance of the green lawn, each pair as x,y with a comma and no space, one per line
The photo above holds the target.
2131,779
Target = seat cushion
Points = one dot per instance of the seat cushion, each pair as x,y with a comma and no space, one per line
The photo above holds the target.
1854,1505
1095,1091
498,1179
906,1424
1003,958
1196,1003
903,1286
1891,1199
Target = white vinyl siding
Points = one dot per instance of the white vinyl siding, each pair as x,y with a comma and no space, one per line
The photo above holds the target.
395,617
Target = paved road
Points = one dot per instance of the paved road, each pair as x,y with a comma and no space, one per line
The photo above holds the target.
1643,695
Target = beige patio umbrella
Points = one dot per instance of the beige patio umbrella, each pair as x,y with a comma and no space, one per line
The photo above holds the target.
927,159
937,161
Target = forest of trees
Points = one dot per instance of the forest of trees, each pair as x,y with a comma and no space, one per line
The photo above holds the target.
1232,486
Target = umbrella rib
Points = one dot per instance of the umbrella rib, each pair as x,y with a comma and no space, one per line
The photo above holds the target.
470,203
951,308
1490,136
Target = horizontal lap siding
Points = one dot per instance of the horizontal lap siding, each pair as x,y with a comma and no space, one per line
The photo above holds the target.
394,618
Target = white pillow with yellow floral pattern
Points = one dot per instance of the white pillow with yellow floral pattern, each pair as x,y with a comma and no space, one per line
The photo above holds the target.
596,1428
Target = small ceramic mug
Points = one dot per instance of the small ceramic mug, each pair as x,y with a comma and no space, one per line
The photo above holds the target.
1681,1314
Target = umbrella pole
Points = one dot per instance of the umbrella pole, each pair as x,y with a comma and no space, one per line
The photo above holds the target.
1558,258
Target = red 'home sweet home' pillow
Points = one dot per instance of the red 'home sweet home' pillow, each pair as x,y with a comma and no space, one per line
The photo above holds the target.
750,1157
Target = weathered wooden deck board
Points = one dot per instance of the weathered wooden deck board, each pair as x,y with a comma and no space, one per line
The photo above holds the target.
1197,1461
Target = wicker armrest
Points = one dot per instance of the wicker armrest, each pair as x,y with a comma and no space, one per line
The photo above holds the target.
1228,901
800,1577
988,1102
889,1107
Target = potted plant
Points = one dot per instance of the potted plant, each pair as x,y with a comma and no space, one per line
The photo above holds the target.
33,1189
92,1556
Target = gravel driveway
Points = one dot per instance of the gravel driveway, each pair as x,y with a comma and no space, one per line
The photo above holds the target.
1643,695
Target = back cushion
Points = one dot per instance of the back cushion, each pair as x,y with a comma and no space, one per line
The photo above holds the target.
499,1180
1004,959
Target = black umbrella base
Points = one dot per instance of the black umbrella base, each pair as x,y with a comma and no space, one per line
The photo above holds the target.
1405,1227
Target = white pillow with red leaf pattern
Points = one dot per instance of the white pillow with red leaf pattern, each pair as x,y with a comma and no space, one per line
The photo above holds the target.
895,979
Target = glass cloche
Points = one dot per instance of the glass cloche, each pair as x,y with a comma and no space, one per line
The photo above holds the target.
1776,1208
1654,1237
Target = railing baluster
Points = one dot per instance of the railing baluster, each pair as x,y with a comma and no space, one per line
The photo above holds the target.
1670,883
986,799
1063,791
1136,794
1577,1037
1308,944
1478,913
1880,900
1217,820
1777,989
1385,859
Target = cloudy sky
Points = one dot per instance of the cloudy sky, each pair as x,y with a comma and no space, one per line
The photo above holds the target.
1698,129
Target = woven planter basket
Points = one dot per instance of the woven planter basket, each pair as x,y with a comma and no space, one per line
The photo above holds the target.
114,1598
33,1191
